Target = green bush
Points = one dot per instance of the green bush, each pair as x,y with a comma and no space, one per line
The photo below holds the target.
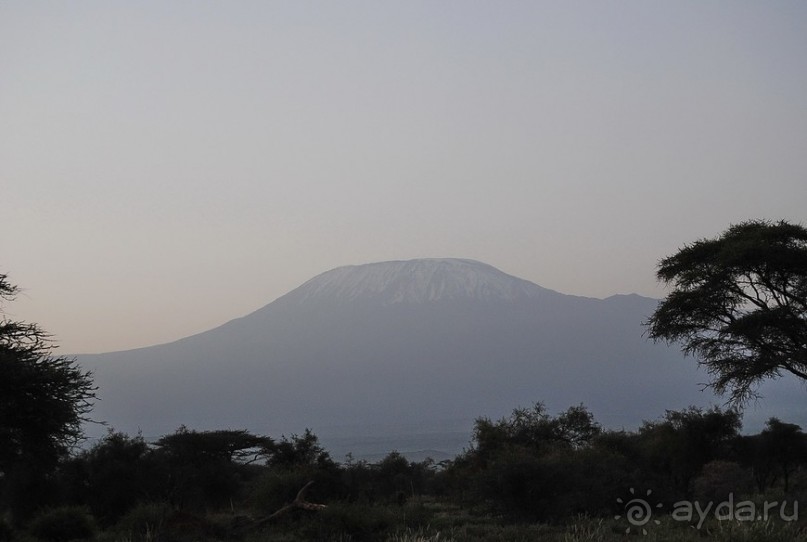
63,524
143,521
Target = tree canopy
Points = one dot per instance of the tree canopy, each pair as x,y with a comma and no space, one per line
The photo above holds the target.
232,445
44,398
739,304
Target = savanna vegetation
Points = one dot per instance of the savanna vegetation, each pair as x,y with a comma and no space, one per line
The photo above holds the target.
738,304
529,476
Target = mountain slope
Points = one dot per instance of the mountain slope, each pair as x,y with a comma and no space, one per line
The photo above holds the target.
423,343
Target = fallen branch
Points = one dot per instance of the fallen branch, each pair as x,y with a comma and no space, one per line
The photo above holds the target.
298,502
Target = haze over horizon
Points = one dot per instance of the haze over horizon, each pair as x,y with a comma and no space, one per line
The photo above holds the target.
167,167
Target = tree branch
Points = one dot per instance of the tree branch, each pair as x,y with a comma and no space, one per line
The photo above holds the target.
298,502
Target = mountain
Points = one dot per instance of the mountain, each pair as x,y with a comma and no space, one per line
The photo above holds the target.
403,347
417,281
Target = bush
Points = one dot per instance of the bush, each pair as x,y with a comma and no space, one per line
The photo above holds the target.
111,477
142,521
274,490
356,522
718,479
63,524
278,487
522,485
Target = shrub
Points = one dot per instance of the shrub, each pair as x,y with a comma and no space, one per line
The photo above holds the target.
718,479
354,521
142,521
63,524
273,490
278,487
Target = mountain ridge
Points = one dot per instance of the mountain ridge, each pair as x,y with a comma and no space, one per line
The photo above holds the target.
316,287
407,342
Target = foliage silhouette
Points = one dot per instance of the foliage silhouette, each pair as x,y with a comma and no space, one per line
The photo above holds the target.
677,447
45,399
784,445
207,468
739,303
528,467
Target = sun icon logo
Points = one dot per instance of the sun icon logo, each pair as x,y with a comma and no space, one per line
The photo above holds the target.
638,511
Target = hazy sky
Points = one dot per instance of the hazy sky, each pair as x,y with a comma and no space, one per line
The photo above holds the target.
168,166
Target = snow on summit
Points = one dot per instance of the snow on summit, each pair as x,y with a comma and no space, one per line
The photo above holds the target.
418,281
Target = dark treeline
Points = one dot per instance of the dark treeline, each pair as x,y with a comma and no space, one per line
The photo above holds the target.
528,467
535,466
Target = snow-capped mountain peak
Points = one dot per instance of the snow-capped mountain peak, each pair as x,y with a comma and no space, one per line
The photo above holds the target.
418,281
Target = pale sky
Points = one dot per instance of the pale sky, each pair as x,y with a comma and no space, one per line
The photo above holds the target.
167,166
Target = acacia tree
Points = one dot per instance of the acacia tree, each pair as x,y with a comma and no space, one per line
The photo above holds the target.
739,304
204,467
43,398
785,446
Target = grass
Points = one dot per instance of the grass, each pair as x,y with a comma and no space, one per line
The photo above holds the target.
453,524
430,520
